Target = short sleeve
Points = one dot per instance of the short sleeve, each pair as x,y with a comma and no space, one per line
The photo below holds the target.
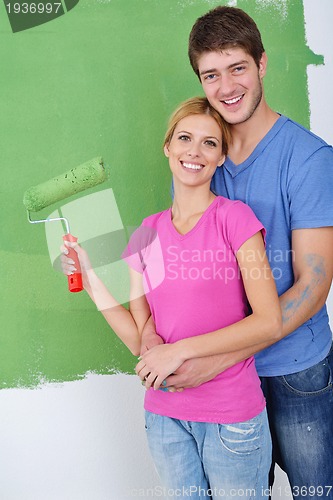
138,246
310,191
242,224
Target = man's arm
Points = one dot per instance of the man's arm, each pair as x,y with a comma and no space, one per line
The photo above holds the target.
313,270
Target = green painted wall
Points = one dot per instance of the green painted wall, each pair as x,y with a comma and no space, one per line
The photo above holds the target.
101,79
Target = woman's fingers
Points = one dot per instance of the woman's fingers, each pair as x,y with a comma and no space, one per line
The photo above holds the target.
67,265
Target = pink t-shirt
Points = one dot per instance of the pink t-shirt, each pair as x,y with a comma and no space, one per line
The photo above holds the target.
193,286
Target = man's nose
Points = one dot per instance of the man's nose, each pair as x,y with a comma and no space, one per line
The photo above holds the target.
227,86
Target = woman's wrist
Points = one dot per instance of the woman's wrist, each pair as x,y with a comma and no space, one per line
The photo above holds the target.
92,276
90,280
182,349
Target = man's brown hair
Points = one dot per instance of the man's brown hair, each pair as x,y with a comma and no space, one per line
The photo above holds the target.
222,28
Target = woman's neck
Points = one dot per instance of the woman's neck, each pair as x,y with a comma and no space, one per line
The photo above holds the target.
188,206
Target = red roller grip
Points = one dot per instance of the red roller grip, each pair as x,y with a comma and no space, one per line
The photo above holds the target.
74,280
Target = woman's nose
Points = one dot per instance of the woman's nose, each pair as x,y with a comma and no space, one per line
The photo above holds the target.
194,150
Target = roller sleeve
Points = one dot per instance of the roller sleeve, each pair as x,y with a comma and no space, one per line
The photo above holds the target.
74,181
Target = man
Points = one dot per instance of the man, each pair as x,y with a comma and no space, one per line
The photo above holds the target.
285,174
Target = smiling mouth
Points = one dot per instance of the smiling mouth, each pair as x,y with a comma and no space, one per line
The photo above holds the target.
192,166
235,100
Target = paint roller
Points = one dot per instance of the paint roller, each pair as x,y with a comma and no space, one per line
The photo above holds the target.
85,176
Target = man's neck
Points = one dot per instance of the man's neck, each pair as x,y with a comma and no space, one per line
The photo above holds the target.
247,135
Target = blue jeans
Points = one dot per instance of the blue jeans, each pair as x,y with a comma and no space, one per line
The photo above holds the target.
205,460
300,412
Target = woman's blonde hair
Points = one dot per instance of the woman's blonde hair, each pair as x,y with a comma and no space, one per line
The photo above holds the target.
197,106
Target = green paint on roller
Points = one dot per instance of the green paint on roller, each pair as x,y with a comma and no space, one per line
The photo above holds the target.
85,176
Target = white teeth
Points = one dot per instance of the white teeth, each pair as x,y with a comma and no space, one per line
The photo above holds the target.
232,101
192,166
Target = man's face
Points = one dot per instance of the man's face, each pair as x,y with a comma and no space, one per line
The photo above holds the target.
232,83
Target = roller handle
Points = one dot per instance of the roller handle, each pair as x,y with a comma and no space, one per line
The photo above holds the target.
74,280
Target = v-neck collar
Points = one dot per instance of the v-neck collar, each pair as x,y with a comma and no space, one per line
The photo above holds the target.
195,227
234,169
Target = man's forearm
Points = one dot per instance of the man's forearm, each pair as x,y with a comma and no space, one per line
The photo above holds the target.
298,304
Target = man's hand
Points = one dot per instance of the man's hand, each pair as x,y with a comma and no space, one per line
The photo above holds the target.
197,371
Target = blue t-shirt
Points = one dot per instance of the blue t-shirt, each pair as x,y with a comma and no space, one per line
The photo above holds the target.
288,183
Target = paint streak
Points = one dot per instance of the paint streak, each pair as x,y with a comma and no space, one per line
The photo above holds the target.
318,275
317,263
290,304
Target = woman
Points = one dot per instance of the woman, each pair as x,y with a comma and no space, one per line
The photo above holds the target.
197,267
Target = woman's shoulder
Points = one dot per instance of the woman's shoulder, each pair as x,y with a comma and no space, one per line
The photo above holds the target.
144,235
239,222
225,207
154,219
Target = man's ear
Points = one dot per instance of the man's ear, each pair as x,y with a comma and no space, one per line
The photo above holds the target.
166,150
263,65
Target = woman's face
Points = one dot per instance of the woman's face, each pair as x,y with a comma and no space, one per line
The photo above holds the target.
195,149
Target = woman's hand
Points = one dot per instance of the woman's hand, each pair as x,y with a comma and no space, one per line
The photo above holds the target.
68,265
149,341
158,363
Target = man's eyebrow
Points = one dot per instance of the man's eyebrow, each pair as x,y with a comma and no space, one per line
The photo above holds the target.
239,63
215,70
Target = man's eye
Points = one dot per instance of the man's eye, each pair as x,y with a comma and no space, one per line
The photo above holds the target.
239,69
210,77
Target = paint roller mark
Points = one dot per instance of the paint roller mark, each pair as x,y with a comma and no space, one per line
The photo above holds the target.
281,6
282,26
182,5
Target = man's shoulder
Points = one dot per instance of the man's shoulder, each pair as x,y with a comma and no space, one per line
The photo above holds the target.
296,131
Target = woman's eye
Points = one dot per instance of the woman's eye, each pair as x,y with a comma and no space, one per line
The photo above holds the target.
211,144
184,138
